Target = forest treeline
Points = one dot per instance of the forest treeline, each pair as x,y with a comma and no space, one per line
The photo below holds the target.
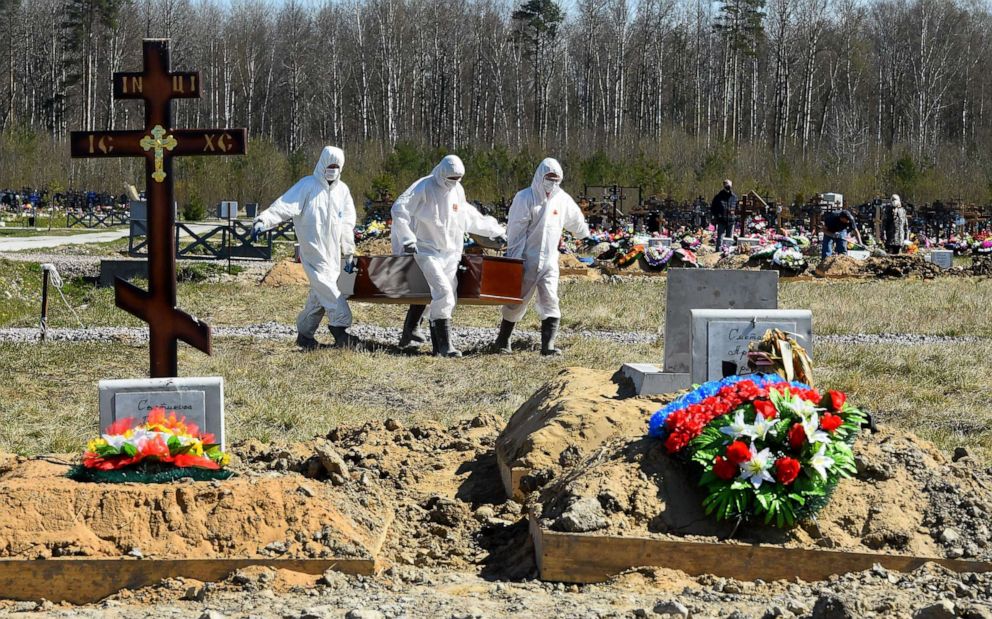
788,97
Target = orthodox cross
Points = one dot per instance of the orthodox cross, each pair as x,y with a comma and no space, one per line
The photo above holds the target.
158,143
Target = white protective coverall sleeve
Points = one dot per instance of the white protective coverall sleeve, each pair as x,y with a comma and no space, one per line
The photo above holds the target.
320,212
401,232
534,232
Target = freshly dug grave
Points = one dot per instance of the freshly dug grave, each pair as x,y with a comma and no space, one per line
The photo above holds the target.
570,266
540,440
443,482
285,273
43,514
887,267
907,498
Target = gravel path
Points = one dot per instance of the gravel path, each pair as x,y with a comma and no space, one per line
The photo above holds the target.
467,337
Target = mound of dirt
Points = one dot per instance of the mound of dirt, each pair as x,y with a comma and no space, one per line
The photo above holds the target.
570,266
886,267
569,417
285,273
981,266
443,482
603,475
43,514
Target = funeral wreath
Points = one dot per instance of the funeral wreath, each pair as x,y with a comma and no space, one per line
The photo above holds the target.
768,448
161,448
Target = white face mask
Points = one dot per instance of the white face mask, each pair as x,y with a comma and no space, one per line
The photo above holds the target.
331,174
450,182
549,186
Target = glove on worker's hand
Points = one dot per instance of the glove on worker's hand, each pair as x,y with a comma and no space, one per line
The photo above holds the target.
257,230
410,248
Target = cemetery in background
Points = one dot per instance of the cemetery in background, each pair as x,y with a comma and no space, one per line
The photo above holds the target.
786,97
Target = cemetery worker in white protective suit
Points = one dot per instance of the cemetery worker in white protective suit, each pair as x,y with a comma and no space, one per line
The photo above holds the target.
430,220
323,214
537,216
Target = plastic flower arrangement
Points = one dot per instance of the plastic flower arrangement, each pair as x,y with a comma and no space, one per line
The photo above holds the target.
628,258
658,257
768,448
984,247
789,258
161,439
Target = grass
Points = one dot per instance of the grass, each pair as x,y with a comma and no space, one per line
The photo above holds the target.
947,306
48,399
274,391
48,395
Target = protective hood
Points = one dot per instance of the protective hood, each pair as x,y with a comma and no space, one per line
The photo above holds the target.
451,165
547,166
330,154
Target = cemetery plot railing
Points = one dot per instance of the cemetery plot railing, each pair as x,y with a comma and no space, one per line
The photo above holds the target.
221,242
238,244
201,246
92,219
282,232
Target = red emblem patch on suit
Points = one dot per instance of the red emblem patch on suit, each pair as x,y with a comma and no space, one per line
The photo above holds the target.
454,207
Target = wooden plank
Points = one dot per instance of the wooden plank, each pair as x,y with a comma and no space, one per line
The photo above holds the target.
84,581
590,558
511,477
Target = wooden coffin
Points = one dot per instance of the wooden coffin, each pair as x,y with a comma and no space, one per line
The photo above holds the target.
482,280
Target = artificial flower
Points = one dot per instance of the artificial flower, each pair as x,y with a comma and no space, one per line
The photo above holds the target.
724,468
765,408
787,470
738,427
797,436
756,469
738,452
821,462
830,422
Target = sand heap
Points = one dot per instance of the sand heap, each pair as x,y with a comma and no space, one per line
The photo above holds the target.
596,471
285,273
43,514
885,267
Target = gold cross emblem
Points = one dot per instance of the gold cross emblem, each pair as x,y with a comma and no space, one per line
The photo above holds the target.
156,141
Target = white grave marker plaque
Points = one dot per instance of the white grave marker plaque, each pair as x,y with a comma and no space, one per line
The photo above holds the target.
720,338
199,399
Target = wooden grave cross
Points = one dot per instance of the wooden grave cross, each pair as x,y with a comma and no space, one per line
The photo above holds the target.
158,143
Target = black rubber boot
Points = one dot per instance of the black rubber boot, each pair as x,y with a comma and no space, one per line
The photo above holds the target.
307,343
435,338
343,339
442,333
502,344
549,333
412,335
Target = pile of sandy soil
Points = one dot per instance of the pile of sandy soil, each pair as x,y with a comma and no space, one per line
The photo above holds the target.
285,273
887,267
539,440
450,510
43,514
598,472
570,266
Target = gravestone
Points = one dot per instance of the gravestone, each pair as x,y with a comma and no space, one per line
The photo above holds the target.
720,338
200,400
690,289
944,258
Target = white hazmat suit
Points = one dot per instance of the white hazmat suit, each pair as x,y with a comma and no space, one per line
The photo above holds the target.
434,215
323,214
537,217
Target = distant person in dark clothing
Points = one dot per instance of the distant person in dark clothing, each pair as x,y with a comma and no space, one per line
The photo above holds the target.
836,227
723,212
